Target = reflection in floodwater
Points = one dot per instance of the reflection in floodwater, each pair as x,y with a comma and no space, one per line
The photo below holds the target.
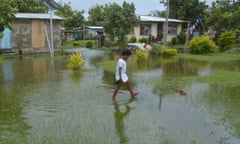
121,111
12,121
7,73
19,77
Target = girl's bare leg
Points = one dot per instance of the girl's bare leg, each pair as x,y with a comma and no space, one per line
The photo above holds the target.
118,86
130,89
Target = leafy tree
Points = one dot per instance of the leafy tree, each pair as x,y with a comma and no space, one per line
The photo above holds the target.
226,41
96,16
8,9
186,9
30,6
72,18
77,20
65,10
224,15
157,13
119,20
7,14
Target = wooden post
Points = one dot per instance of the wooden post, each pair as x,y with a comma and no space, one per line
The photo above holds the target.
187,37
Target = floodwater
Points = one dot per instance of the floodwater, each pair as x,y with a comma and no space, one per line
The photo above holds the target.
41,102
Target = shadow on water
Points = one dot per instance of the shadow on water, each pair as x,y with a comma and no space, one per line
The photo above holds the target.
43,102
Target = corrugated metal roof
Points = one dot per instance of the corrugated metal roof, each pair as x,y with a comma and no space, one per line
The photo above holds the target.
95,27
36,16
158,19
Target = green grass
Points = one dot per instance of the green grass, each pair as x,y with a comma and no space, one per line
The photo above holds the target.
108,65
70,44
216,57
168,84
224,77
6,57
74,44
169,45
177,46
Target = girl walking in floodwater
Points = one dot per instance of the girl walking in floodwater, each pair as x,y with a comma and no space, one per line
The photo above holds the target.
121,75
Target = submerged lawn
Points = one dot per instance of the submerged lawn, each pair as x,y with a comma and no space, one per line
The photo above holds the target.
6,57
216,57
43,102
222,76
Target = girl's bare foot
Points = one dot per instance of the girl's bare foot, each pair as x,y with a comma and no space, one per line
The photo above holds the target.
135,94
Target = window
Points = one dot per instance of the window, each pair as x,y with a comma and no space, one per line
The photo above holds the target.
145,29
172,29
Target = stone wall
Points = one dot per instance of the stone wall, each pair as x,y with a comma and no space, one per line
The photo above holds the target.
22,36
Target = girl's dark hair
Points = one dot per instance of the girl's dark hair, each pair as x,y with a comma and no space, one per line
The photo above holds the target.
126,52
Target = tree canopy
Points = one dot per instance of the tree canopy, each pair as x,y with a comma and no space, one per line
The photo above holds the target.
188,10
30,6
96,16
8,9
7,14
119,20
73,18
224,15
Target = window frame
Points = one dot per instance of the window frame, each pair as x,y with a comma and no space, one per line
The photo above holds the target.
172,29
145,29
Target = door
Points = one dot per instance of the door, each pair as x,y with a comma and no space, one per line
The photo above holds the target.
38,34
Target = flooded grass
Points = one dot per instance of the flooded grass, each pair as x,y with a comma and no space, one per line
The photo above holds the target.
216,57
43,102
108,65
223,77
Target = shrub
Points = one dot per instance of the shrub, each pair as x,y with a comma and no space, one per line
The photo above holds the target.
181,37
169,52
226,41
156,48
63,42
142,56
143,40
133,39
89,44
202,45
75,61
77,43
174,41
237,36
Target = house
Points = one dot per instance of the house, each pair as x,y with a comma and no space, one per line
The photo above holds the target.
155,27
88,32
31,33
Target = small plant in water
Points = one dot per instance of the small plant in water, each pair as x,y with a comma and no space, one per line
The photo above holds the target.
75,61
142,56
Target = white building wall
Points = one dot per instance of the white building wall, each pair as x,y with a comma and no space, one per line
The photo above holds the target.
154,31
170,36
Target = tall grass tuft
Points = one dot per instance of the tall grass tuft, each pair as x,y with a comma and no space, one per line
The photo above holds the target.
75,61
142,56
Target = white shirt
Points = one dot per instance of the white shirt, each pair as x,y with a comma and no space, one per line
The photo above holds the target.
121,64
